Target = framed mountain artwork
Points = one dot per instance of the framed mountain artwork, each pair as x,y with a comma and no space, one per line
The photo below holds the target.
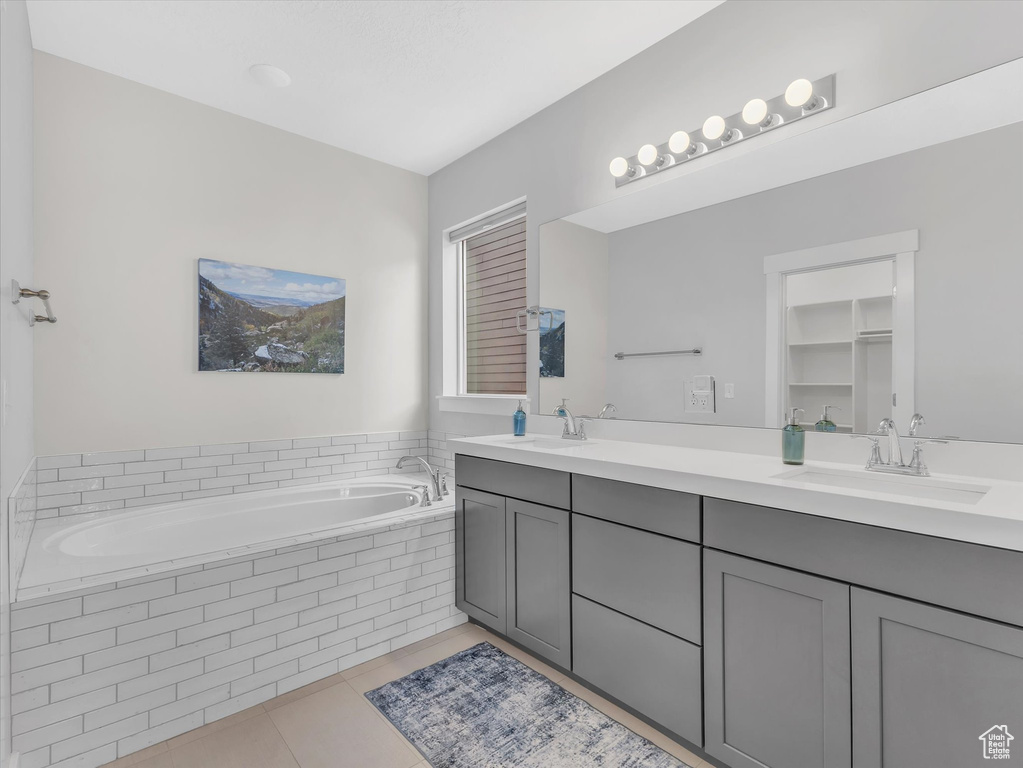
261,320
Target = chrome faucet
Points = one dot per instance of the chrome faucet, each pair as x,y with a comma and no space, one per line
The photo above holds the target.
609,407
887,427
438,480
574,426
914,424
894,464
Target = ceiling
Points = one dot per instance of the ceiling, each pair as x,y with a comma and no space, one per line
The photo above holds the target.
413,83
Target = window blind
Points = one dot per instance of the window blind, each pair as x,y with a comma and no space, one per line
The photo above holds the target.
494,269
499,218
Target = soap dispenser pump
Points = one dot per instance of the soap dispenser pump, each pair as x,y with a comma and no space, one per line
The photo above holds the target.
826,424
793,439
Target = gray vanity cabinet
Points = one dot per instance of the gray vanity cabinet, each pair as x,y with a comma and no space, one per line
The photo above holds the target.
513,553
480,567
771,638
539,600
776,666
930,683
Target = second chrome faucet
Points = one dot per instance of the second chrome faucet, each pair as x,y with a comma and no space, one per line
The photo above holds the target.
895,463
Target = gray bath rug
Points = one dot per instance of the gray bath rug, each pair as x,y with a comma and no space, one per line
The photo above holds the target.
483,709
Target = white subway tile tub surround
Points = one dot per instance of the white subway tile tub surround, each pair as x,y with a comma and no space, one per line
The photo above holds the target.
439,455
66,554
109,670
97,482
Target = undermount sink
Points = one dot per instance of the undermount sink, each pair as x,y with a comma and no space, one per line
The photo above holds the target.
916,487
547,443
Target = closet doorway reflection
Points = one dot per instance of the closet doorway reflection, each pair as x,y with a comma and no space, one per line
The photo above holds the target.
841,324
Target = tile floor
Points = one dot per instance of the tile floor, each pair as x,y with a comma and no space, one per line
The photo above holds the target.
330,724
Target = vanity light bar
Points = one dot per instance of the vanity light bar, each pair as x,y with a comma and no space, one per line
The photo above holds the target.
801,99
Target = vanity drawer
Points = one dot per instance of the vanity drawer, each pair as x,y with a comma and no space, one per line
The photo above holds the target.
955,574
653,672
672,513
517,481
653,578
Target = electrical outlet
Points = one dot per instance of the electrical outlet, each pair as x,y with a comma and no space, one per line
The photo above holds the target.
699,395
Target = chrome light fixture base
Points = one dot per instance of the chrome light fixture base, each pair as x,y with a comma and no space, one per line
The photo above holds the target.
779,114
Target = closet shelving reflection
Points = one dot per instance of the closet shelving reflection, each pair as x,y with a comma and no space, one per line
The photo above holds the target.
839,353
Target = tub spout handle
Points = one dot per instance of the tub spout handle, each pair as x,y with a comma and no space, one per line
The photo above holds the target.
424,495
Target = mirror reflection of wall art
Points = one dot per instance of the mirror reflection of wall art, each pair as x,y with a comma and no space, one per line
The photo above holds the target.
269,320
552,343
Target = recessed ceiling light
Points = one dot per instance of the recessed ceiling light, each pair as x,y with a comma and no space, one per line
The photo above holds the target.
270,76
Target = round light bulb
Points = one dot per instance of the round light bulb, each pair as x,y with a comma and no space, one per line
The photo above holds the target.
619,167
679,142
798,93
754,112
647,154
713,127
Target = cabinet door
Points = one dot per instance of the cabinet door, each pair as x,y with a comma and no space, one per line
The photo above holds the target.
539,592
929,683
776,666
480,568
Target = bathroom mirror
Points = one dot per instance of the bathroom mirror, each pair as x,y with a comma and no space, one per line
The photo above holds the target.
874,265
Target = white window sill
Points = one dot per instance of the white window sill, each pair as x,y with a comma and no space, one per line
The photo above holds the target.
490,405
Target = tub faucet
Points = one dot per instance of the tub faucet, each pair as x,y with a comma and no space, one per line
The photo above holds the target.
438,481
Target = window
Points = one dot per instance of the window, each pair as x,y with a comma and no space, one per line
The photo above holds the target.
492,269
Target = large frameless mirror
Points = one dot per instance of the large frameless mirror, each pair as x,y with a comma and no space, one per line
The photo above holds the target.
889,284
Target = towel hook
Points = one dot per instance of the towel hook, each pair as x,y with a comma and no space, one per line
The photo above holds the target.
18,293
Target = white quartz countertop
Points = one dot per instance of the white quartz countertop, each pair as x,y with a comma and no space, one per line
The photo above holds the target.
995,520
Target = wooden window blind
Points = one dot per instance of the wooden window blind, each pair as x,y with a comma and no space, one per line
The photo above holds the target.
494,270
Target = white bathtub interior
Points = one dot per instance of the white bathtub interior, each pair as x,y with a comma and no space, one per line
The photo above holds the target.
65,554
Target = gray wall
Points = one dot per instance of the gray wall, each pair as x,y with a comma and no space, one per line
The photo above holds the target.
698,278
16,448
881,51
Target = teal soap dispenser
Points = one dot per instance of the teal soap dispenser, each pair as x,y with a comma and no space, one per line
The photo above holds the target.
793,439
826,423
519,421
